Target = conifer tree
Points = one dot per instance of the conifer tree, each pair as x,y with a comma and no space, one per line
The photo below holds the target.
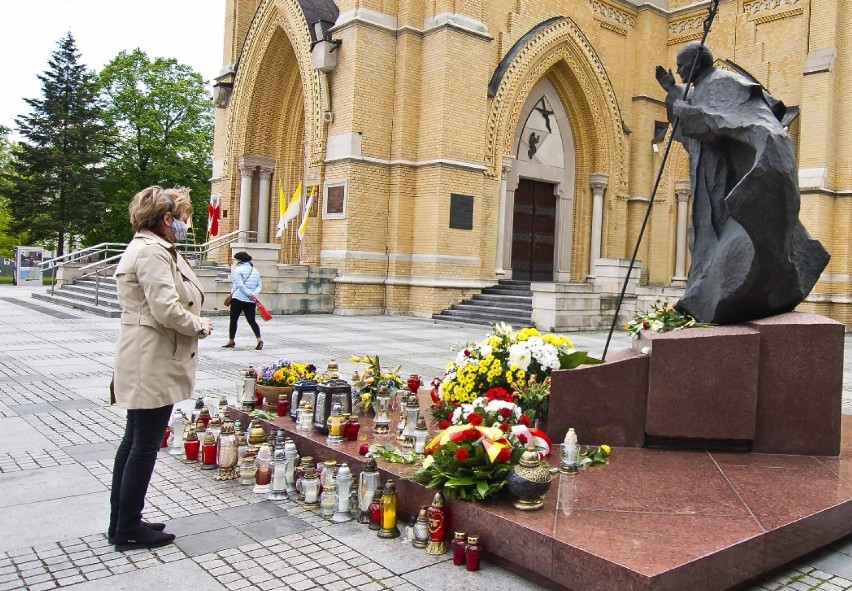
55,185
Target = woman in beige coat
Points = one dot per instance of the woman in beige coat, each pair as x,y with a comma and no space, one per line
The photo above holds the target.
156,356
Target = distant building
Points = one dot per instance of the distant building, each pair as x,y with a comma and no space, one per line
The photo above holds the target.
453,143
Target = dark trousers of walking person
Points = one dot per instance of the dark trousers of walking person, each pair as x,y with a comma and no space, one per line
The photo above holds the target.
249,309
134,465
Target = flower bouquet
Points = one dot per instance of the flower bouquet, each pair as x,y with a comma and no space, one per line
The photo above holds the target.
367,384
534,398
469,462
508,359
284,373
662,318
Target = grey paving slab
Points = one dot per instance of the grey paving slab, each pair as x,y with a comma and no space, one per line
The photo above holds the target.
261,531
76,404
16,435
448,577
31,409
32,486
393,555
194,524
251,513
212,541
54,520
835,563
182,574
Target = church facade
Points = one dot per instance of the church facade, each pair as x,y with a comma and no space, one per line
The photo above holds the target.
443,145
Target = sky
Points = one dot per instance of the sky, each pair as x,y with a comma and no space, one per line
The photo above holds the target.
192,31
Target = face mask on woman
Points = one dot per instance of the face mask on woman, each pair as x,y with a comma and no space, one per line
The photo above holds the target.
179,228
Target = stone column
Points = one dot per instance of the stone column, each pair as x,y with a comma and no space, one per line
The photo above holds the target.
263,205
246,171
501,215
598,181
682,190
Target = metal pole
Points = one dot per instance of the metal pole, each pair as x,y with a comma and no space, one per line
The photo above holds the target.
708,22
97,285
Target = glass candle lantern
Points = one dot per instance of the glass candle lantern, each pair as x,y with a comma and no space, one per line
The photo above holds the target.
242,442
458,546
191,446
331,392
306,417
327,474
421,528
389,511
343,484
310,488
351,428
291,459
278,484
263,476
177,433
204,417
421,436
283,405
400,425
226,453
247,469
328,500
412,412
375,510
438,526
382,422
570,453
472,553
215,426
303,390
300,472
414,383
368,484
208,452
212,402
200,428
166,435
257,435
335,423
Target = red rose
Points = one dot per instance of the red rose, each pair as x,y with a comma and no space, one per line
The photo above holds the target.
504,426
443,424
470,435
363,449
504,455
522,438
645,325
428,452
525,420
461,454
466,353
505,412
474,419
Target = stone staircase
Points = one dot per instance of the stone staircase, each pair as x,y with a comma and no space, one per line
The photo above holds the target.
81,295
508,301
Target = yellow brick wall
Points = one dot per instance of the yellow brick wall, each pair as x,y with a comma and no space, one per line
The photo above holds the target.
419,97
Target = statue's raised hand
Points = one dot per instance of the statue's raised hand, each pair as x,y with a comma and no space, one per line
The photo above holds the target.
665,78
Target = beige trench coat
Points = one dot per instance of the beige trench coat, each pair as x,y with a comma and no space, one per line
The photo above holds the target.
157,352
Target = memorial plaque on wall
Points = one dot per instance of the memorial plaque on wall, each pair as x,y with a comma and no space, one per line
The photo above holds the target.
461,211
335,200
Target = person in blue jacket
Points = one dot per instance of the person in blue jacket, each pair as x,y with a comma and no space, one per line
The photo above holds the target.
245,286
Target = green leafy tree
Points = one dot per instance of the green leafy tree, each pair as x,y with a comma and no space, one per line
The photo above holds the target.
55,192
7,239
161,122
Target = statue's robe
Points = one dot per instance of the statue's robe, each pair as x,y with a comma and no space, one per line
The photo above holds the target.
751,256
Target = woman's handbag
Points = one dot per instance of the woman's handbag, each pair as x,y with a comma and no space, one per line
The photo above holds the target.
261,309
228,300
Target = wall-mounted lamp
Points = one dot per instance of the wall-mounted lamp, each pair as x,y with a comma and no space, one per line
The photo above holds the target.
224,86
324,50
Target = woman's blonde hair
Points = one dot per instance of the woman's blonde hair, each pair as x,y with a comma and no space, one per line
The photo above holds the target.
150,205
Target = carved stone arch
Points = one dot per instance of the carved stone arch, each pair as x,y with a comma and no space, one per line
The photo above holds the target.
273,16
562,41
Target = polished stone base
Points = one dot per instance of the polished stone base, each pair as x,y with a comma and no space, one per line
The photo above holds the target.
651,519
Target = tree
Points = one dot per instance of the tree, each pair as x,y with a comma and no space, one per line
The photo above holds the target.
160,119
7,238
55,182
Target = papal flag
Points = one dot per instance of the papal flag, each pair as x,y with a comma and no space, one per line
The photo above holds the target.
287,212
304,225
213,210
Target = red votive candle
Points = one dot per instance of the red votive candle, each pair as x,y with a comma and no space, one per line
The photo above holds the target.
472,552
263,475
208,454
190,448
165,442
459,545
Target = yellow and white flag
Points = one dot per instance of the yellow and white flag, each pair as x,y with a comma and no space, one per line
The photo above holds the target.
291,211
304,225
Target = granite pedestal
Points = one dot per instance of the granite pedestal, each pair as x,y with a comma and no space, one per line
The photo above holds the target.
650,520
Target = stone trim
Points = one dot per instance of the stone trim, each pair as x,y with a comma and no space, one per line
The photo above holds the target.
775,17
410,163
603,10
412,281
757,6
400,257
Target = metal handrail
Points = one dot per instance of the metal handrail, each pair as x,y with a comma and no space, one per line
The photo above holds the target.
211,245
79,254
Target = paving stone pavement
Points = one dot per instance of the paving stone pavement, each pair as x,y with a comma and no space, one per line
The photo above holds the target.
58,437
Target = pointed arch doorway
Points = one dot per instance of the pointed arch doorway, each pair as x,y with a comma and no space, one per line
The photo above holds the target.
539,208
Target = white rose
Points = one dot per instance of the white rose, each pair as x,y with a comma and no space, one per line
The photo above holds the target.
486,350
657,326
